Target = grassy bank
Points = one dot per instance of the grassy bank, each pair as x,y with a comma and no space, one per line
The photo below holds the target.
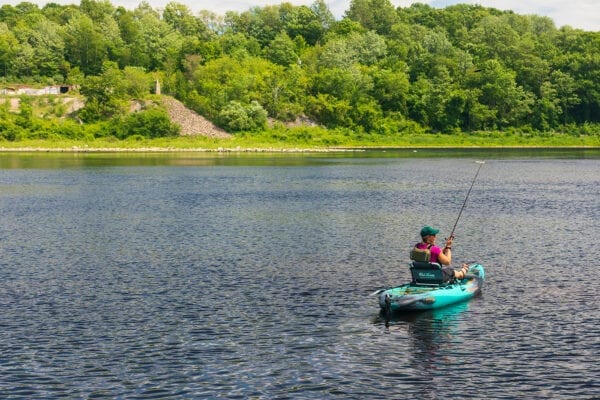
303,139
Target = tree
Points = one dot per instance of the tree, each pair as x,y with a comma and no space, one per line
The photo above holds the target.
281,50
304,22
262,24
356,48
547,110
48,48
565,87
352,84
330,111
430,51
285,92
499,92
323,14
494,38
218,82
348,90
23,62
85,45
391,88
160,42
238,45
97,10
59,14
8,49
137,82
376,15
180,17
105,93
134,46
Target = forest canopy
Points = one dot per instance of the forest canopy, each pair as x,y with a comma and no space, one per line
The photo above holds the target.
379,69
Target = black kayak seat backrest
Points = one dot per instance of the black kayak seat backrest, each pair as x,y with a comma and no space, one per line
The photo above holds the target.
426,273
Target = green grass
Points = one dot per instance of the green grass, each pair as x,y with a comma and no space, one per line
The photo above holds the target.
310,138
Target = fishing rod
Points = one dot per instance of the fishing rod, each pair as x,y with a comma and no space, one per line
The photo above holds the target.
379,291
466,198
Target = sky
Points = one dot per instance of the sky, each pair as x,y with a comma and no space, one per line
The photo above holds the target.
581,14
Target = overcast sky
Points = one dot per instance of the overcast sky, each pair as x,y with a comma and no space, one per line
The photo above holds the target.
583,14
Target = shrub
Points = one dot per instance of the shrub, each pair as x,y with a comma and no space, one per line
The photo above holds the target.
9,131
152,123
237,117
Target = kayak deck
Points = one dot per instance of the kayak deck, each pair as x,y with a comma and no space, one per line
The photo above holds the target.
414,296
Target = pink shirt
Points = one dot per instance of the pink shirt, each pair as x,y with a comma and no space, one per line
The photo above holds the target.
434,251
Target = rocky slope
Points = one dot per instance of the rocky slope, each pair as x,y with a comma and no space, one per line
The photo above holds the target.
191,123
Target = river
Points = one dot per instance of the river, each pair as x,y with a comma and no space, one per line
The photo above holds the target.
193,276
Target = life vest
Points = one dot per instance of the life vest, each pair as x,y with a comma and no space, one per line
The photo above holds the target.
417,254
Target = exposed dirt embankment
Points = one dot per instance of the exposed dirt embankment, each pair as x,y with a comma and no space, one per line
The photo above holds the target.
191,123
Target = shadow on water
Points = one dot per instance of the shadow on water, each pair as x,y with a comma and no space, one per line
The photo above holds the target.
430,332
448,313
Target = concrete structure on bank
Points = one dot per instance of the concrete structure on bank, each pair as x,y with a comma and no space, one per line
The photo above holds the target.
17,90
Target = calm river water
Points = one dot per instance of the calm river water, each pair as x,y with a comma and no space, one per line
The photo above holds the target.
191,276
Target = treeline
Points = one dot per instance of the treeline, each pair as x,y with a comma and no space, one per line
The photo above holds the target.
379,69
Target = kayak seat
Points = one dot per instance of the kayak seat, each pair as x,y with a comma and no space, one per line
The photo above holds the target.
426,273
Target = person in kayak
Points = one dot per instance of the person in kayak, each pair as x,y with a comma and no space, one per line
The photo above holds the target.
427,251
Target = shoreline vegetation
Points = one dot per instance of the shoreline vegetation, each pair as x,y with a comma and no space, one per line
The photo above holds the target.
275,143
284,78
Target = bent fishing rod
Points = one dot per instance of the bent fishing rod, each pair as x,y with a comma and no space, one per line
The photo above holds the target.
466,198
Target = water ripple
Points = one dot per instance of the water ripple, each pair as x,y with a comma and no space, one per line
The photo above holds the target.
242,282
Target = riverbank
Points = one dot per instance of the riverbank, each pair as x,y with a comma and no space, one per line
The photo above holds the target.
176,150
92,150
311,141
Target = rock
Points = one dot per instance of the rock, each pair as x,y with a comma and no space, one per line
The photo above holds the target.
191,123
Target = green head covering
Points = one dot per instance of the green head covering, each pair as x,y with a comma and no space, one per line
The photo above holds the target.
427,230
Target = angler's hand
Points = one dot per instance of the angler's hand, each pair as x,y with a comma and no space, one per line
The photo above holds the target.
449,242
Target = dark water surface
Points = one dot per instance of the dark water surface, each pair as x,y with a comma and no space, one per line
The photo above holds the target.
249,276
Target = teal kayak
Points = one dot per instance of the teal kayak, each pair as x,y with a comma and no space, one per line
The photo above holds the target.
427,291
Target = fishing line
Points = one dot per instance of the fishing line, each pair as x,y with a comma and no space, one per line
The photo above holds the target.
466,198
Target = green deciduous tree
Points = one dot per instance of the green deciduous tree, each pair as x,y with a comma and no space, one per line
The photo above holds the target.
377,69
304,22
282,50
85,45
391,88
137,82
48,48
501,95
376,15
330,111
105,93
8,50
356,48
180,17
236,116
547,110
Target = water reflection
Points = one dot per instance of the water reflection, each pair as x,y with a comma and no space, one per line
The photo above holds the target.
248,282
433,341
55,160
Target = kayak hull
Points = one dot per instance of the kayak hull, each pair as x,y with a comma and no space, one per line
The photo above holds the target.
410,296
